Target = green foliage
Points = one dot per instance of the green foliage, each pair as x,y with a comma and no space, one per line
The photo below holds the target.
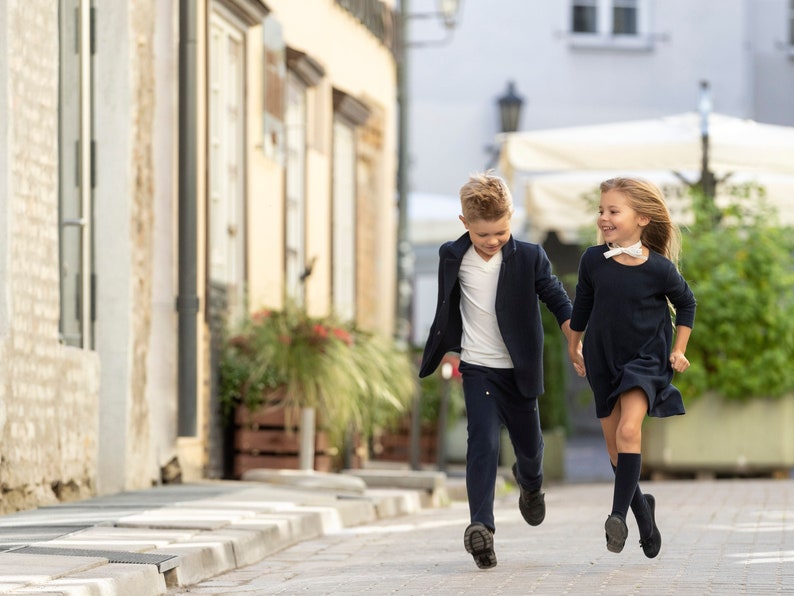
354,379
432,388
739,265
553,408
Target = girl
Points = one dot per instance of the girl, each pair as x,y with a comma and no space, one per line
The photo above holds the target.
623,296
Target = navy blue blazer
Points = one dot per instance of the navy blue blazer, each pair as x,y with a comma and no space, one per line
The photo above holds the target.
525,277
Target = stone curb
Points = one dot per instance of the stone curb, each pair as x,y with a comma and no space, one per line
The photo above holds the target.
205,537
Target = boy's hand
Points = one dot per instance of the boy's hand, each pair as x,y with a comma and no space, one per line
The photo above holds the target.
678,361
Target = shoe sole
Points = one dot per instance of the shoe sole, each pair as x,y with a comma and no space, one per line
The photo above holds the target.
616,532
479,544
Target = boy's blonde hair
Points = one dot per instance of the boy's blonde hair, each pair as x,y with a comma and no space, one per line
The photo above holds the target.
485,197
661,234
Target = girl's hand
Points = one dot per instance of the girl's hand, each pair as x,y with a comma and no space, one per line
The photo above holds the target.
575,354
678,361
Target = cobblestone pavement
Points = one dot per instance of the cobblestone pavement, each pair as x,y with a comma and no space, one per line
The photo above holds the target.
719,537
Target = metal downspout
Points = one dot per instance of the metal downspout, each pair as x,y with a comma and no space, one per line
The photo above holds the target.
187,302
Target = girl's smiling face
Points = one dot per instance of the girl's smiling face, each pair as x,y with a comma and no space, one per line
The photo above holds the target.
488,237
618,222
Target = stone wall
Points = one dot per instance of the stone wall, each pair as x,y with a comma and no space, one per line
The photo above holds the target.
48,392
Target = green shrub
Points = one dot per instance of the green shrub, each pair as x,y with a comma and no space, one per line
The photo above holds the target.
739,266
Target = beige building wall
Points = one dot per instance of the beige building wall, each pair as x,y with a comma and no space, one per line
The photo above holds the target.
364,68
48,392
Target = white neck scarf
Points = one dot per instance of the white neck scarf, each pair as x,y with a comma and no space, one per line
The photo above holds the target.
635,250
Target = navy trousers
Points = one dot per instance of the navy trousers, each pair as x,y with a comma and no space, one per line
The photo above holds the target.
492,400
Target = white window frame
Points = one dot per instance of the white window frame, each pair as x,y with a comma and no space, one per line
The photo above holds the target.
295,232
604,36
344,220
75,199
226,163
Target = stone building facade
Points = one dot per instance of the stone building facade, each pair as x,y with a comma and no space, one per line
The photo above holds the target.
154,157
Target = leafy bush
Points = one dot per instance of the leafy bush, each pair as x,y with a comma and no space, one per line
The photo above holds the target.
356,380
552,405
739,265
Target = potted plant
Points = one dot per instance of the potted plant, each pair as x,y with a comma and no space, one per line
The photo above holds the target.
287,361
738,391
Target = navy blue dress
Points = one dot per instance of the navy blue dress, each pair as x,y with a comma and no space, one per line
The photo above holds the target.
629,330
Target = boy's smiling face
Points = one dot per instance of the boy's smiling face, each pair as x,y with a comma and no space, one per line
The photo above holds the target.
488,237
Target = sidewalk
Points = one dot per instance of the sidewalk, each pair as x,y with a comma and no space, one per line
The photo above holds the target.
145,542
150,541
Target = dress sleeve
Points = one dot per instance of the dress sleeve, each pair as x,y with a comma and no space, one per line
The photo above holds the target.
583,300
681,297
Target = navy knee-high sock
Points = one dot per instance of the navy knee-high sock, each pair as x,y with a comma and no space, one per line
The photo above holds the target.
627,475
639,508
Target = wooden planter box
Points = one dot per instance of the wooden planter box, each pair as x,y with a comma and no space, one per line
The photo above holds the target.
269,438
395,444
722,437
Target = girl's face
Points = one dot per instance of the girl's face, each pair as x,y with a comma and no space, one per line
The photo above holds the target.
619,223
488,237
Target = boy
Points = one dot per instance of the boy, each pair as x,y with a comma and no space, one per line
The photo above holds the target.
487,309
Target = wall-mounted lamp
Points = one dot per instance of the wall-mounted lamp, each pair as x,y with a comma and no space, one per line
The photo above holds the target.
510,105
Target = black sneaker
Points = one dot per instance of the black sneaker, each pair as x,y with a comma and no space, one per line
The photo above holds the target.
531,504
617,532
478,540
653,543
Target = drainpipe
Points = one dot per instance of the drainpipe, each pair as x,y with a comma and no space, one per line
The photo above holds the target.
187,301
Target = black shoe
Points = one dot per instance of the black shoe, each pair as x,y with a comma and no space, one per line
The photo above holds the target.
478,540
617,532
653,543
531,504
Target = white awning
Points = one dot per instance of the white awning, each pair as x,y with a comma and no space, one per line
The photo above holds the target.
554,168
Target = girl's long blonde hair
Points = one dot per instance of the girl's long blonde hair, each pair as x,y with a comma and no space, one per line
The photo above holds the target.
661,234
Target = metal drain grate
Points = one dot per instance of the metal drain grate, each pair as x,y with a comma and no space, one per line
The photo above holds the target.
163,562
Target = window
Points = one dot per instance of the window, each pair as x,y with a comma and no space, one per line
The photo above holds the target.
610,23
624,17
226,163
585,16
349,113
344,220
296,188
76,175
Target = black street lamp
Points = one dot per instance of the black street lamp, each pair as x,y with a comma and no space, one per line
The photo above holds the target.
510,105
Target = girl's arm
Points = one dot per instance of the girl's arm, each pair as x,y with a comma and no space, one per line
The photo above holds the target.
678,361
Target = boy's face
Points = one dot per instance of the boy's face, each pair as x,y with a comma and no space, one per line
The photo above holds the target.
488,236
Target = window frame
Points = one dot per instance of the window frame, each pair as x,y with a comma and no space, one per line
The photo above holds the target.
76,177
604,36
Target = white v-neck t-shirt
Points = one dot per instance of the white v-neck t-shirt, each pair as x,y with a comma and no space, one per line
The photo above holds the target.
482,342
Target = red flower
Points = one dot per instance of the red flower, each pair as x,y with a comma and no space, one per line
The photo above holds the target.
343,335
261,315
320,331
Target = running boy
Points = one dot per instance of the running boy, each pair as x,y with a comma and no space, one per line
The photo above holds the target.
488,289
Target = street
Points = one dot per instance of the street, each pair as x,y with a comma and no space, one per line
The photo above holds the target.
719,537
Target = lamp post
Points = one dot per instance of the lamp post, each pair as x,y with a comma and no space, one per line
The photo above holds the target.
707,182
447,12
